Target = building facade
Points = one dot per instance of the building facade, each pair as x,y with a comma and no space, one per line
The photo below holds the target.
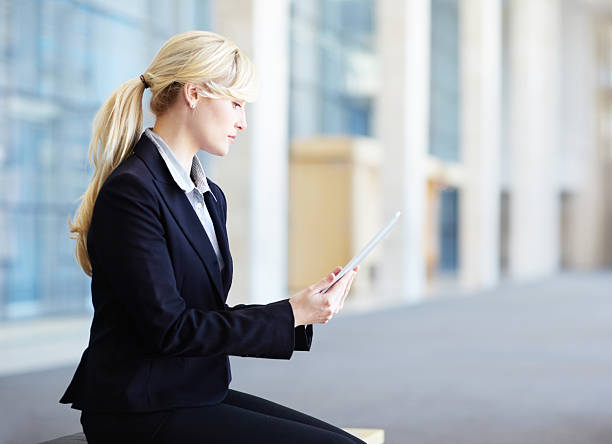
499,162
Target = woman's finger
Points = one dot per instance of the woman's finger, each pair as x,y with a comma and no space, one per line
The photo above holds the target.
324,283
347,289
337,293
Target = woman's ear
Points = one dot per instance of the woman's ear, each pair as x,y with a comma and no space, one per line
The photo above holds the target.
190,94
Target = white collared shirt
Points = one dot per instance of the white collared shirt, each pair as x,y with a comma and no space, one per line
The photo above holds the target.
194,186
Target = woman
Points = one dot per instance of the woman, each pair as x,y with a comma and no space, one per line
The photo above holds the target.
150,231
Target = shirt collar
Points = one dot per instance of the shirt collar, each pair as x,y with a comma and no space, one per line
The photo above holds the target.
183,180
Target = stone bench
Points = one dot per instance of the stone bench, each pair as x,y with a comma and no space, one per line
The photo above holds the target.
77,438
370,436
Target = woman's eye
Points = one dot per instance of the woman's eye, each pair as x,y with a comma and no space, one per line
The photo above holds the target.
236,104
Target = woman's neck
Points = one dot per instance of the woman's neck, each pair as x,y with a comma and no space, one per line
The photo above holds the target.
177,141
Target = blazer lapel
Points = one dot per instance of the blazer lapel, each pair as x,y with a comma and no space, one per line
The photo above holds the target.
215,214
188,220
229,266
182,211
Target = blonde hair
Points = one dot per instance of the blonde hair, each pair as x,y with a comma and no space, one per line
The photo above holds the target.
209,60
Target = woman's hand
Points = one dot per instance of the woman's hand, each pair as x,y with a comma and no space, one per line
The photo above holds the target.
312,307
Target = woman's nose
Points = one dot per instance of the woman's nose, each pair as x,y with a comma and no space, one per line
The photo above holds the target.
242,123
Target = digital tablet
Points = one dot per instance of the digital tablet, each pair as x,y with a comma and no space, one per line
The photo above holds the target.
364,252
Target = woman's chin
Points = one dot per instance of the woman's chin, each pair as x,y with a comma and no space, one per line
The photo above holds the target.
217,151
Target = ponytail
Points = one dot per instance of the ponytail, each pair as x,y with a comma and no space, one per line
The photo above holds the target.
116,129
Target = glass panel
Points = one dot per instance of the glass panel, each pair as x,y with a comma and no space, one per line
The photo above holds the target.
61,59
333,69
307,121
449,217
444,112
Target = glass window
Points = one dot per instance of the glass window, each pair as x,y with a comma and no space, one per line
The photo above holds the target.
449,224
60,61
444,86
333,67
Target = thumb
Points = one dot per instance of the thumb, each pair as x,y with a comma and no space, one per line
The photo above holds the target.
324,283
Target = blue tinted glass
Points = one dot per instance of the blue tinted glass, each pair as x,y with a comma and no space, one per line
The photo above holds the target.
449,230
444,113
329,41
359,116
62,59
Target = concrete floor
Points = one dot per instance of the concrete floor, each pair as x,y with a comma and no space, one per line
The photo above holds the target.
524,363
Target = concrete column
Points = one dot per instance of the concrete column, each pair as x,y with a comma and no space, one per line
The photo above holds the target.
254,173
582,160
480,37
535,36
402,112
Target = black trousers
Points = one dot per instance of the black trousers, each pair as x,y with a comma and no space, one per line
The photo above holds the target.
239,418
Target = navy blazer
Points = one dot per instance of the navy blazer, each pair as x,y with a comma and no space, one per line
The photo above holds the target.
161,331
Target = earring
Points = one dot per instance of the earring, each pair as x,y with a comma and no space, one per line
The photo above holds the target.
192,105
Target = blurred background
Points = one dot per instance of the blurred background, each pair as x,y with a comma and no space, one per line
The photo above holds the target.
488,123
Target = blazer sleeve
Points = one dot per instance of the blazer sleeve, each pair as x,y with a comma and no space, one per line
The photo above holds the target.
128,248
303,333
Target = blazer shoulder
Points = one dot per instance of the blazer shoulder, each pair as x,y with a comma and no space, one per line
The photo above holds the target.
132,180
132,170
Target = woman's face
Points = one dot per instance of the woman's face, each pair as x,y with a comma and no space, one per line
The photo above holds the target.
215,123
